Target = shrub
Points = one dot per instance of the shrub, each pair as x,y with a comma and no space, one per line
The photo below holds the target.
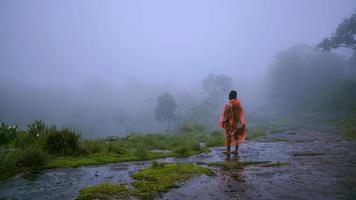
23,139
93,146
181,151
64,142
117,148
7,164
31,156
8,133
157,164
37,128
141,152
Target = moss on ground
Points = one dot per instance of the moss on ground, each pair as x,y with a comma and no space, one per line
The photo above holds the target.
104,191
148,183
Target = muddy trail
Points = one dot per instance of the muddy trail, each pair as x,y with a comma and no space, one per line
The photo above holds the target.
318,163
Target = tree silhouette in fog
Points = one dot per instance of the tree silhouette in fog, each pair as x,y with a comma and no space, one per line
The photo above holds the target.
343,37
165,110
216,87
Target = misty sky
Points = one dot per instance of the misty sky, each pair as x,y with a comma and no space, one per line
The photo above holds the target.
69,42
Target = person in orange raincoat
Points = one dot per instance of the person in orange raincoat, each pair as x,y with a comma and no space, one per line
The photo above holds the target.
234,123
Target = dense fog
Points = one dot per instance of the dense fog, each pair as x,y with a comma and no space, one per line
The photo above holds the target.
103,67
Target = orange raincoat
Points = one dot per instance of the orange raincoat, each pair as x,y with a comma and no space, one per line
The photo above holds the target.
234,122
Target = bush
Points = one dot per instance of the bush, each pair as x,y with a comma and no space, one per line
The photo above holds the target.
37,128
117,148
7,164
23,139
8,133
31,156
141,151
157,164
94,146
64,142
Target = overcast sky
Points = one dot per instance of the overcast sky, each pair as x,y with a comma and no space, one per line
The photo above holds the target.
71,42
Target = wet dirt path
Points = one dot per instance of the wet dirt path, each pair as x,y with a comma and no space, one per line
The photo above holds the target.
321,165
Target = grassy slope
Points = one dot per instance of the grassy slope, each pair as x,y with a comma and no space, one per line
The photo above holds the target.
134,147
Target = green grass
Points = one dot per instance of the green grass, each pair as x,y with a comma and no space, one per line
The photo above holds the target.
103,191
148,183
256,132
151,181
132,148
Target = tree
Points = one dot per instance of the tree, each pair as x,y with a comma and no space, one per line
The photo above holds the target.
217,87
343,37
302,80
165,110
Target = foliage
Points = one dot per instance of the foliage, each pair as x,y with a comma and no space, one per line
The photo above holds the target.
8,134
141,152
31,156
343,37
148,183
216,138
64,142
304,80
93,146
157,164
217,86
7,164
37,129
151,181
103,191
65,149
165,110
15,161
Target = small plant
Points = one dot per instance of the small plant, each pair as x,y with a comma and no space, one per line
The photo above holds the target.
94,146
7,164
181,151
157,164
31,156
215,138
141,152
117,148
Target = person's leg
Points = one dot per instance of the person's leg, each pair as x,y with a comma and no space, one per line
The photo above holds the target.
227,143
236,149
236,141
